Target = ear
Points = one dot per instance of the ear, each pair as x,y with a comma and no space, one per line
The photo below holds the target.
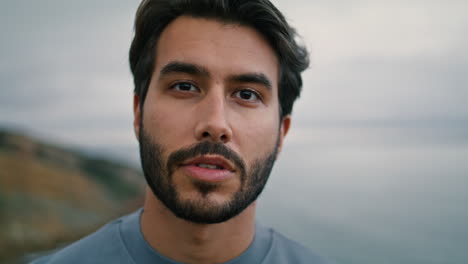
136,116
285,124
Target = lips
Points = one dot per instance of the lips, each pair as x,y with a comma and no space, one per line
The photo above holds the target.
211,162
209,168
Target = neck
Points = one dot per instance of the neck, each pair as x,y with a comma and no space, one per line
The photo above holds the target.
194,243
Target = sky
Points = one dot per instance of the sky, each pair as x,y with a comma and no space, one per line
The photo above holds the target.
64,70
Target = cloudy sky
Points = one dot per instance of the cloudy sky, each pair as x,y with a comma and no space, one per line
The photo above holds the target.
64,73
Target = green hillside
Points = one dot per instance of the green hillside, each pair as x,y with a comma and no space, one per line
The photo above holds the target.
50,195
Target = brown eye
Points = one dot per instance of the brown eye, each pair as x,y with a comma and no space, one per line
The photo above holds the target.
184,86
247,95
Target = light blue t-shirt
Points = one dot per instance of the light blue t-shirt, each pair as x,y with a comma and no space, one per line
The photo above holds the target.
121,241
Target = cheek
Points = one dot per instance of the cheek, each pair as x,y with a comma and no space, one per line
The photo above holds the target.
258,136
165,122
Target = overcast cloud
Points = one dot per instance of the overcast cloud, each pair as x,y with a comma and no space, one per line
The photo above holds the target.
64,70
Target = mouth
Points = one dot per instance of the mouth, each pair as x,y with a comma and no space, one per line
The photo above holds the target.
209,168
210,162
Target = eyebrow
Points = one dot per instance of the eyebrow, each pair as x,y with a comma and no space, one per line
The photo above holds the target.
258,78
183,67
193,69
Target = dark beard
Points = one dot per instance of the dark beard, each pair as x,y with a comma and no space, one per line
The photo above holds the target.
159,177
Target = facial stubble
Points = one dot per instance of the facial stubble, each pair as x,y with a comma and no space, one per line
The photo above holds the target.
159,176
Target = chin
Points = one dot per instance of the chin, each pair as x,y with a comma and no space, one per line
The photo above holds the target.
207,208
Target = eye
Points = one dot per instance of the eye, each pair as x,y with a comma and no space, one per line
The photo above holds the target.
184,86
247,95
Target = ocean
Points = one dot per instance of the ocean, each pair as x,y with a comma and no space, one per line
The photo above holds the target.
373,194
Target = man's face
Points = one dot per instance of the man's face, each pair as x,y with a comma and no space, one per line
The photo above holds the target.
209,129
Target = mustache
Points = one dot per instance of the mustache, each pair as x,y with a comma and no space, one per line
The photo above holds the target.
205,148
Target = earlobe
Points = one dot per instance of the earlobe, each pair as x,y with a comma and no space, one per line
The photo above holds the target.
136,116
284,128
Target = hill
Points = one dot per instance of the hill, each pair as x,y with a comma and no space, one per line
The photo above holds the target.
50,195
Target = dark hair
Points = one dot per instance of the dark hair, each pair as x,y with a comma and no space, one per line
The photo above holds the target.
154,15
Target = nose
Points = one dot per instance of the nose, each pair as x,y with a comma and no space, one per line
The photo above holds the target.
212,120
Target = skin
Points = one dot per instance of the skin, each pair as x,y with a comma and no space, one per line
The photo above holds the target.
179,115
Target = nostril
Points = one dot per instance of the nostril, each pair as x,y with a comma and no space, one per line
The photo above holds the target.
223,138
206,134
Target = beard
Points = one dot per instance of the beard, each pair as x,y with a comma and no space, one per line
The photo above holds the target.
159,176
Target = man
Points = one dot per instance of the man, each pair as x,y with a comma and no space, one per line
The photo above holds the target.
215,82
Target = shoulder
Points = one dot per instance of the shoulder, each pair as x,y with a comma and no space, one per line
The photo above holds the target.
102,246
285,250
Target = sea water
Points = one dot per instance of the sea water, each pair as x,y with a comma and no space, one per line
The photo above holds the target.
382,195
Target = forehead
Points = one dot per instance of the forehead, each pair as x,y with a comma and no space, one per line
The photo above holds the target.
219,47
